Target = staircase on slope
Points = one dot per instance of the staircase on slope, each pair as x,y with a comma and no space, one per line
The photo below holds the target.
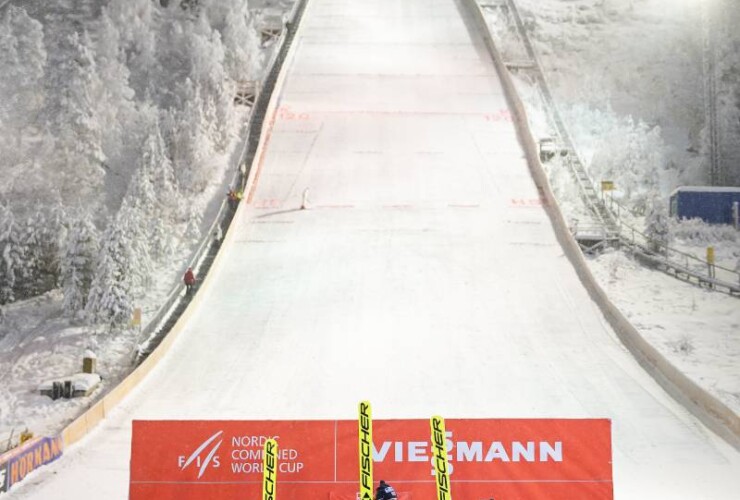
614,229
604,226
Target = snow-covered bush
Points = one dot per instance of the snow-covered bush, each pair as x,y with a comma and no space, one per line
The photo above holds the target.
700,233
657,224
628,152
683,346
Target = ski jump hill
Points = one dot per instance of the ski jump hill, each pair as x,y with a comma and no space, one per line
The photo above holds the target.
426,274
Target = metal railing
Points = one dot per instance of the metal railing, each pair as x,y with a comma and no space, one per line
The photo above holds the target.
153,332
679,263
576,165
670,260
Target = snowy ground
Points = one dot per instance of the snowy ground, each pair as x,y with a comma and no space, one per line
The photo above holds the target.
697,329
639,58
601,72
37,343
416,244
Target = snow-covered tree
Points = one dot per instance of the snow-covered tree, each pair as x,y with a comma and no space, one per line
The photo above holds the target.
173,62
29,248
78,263
29,237
210,77
192,146
206,54
141,194
226,119
136,229
632,155
243,57
12,254
22,59
187,48
135,20
153,191
79,137
45,235
162,239
192,230
115,105
110,299
155,153
129,121
213,128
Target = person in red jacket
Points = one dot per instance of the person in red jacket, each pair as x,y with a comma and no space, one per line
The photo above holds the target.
189,280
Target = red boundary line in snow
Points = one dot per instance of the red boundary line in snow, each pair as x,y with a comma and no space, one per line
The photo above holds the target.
263,147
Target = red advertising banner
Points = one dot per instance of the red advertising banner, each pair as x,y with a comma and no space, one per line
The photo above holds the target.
522,459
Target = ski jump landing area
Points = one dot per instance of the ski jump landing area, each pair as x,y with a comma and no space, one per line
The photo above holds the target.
425,276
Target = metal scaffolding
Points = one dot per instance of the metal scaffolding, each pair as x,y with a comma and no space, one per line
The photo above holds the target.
709,57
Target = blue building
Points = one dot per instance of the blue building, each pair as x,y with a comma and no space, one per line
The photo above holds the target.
710,204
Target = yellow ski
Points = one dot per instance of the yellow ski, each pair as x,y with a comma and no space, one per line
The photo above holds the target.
365,445
441,465
269,468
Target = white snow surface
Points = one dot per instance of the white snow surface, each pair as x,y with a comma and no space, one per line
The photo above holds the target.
588,41
416,247
695,328
38,343
704,189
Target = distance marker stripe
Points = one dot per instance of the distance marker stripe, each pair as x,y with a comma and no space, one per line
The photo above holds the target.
365,448
441,465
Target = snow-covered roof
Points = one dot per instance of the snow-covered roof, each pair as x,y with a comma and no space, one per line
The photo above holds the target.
80,382
706,189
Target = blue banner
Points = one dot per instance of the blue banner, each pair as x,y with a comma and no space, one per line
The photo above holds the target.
16,464
3,478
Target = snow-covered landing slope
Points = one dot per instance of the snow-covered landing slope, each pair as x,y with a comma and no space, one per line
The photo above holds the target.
425,238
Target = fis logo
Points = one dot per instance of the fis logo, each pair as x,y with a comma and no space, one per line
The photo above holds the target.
196,458
441,464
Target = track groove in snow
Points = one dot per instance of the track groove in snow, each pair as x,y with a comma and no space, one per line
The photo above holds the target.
292,303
